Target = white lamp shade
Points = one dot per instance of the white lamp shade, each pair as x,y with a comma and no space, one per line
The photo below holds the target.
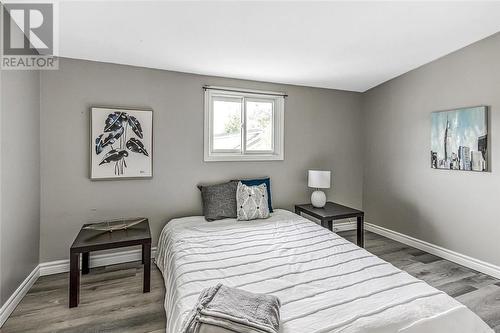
319,179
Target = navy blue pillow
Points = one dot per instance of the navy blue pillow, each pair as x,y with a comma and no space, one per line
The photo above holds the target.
256,182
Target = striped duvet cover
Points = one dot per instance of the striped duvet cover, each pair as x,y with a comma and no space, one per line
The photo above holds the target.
325,283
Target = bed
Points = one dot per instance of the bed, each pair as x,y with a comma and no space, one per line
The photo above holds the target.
325,283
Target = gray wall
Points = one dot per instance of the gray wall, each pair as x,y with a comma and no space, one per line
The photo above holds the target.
1,187
456,210
20,178
322,130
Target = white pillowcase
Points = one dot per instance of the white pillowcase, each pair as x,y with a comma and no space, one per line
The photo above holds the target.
252,202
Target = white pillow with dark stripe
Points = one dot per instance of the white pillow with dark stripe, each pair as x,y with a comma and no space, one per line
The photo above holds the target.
252,202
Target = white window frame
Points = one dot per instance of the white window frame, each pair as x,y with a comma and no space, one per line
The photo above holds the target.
276,154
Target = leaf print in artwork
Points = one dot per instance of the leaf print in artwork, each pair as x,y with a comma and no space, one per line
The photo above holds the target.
115,121
121,134
114,156
136,146
98,144
101,143
135,125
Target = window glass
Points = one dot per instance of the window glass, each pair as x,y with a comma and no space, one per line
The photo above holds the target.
226,124
259,126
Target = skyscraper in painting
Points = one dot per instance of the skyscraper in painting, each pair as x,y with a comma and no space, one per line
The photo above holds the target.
482,146
464,158
459,139
477,162
434,160
447,140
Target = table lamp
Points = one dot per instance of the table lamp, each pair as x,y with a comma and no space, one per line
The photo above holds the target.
318,179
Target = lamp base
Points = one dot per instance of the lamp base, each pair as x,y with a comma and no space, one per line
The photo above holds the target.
318,199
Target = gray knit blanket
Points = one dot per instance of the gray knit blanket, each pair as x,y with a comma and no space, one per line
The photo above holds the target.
222,309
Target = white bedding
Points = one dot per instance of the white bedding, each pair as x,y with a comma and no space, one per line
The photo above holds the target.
325,283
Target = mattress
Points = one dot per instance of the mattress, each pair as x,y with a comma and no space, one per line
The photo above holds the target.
324,282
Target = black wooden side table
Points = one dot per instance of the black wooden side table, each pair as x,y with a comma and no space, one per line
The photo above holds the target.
333,211
93,240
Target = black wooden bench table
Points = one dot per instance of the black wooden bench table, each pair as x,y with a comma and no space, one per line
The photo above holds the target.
333,211
89,240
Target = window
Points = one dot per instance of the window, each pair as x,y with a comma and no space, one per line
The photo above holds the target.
243,126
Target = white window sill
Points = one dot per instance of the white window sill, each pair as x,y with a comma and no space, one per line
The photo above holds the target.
240,158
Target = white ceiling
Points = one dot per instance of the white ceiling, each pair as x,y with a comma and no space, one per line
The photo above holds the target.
341,45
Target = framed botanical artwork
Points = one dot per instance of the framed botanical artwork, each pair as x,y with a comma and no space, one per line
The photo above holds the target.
121,143
459,139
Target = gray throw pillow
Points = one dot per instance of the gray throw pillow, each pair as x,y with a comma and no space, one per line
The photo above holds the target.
219,201
252,202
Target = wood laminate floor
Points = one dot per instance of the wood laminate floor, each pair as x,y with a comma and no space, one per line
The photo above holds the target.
112,301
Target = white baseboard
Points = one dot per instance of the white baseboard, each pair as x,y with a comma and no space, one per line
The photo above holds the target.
18,295
337,226
105,259
344,226
461,259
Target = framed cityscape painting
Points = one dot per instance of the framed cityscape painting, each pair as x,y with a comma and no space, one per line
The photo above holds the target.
459,139
121,143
